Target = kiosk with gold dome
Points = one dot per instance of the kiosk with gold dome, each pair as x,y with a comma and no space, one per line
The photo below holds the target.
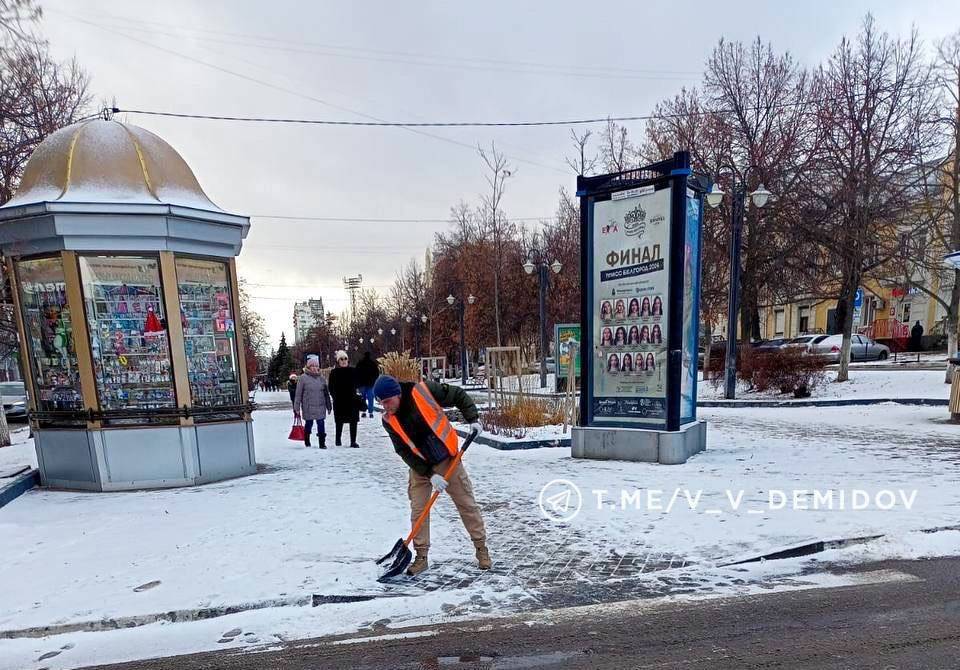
124,284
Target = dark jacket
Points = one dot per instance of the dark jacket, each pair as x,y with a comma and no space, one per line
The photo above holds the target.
343,390
292,389
367,371
418,430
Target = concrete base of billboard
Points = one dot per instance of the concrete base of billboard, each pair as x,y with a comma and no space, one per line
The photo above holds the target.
634,444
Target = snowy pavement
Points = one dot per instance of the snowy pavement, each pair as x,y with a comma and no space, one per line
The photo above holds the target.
311,522
864,383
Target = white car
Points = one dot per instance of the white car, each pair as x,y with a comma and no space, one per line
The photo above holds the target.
862,348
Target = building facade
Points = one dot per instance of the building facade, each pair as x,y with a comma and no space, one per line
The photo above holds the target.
307,315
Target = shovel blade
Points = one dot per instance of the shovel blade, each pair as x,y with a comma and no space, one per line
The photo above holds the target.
398,559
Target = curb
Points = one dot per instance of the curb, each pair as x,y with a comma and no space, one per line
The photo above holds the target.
179,616
838,402
818,546
18,485
518,445
173,616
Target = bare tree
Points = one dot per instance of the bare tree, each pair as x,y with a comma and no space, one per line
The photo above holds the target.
760,103
465,221
497,227
616,150
686,123
16,17
256,341
946,231
37,97
875,107
582,163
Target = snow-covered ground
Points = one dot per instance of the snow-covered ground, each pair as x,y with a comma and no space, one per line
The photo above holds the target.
907,359
312,522
864,383
530,384
21,452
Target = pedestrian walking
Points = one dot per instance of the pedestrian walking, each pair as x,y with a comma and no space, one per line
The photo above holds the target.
367,373
292,387
423,437
312,401
346,402
916,337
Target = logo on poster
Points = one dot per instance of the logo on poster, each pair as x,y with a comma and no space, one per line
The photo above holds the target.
635,221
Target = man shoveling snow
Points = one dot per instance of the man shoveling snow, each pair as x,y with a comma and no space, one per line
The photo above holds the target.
425,440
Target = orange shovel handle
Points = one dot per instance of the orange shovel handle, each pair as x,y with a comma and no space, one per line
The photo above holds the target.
436,494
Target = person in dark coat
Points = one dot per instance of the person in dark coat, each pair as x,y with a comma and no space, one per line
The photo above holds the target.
292,387
916,337
346,402
367,373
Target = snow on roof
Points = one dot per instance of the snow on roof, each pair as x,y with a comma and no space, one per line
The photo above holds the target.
99,161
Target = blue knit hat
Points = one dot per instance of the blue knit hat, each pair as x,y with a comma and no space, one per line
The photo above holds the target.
386,387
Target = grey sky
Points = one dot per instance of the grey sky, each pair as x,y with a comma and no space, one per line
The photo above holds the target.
425,61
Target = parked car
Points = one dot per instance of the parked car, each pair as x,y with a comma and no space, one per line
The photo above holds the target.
14,399
534,367
862,348
806,342
769,346
718,350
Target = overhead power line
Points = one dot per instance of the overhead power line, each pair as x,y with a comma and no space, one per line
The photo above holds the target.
291,91
379,123
341,219
405,57
388,124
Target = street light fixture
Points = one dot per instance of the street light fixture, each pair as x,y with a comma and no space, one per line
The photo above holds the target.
715,196
760,197
537,261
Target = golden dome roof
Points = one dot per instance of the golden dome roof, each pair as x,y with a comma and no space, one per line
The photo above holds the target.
99,161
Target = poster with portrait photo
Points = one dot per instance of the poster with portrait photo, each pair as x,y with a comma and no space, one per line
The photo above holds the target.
631,268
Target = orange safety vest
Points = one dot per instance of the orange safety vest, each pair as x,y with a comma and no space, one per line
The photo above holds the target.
433,414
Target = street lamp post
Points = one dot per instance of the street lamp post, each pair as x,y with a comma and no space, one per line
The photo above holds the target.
536,261
461,310
759,198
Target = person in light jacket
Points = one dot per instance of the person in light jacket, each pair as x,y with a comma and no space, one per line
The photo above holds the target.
312,401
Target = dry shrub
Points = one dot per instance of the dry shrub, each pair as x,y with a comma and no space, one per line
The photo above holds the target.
788,370
513,416
400,366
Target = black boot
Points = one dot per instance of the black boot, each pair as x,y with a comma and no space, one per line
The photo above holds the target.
306,439
353,436
339,435
323,441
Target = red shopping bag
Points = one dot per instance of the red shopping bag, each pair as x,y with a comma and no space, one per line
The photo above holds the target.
296,433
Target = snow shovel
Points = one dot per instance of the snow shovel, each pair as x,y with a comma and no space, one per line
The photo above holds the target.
400,556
